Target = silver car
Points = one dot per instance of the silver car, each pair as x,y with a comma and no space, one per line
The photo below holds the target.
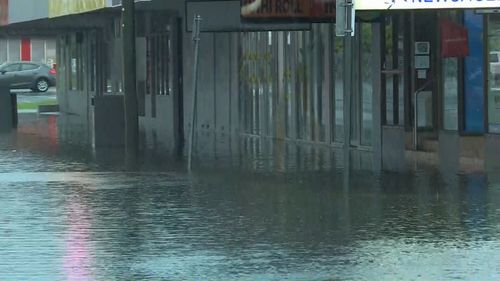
27,75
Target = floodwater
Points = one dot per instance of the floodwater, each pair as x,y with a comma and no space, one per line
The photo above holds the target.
251,210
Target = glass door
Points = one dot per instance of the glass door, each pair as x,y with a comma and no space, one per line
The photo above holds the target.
450,75
393,74
362,93
494,73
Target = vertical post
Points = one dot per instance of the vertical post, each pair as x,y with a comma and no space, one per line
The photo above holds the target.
196,40
129,81
349,89
415,120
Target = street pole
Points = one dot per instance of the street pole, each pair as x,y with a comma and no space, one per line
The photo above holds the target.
129,82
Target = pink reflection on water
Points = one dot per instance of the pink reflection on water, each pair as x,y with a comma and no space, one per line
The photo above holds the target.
77,260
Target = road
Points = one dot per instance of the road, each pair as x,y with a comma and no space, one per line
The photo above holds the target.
27,96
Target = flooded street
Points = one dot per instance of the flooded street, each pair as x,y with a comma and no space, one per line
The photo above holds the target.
280,213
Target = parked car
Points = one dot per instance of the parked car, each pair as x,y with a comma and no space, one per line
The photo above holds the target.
28,75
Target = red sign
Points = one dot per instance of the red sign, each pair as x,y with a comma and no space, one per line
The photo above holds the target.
288,9
454,39
4,12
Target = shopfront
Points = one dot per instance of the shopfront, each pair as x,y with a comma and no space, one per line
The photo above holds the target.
440,73
493,73
412,77
416,76
309,85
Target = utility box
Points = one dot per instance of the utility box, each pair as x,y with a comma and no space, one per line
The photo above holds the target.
8,109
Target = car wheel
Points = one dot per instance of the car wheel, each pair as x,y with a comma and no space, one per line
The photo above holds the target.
42,85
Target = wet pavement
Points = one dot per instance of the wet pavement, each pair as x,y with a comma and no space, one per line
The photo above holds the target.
251,210
30,96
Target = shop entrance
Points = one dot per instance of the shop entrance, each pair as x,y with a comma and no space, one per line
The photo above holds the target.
161,65
361,97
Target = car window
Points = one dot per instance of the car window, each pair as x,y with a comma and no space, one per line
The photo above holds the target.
11,68
29,66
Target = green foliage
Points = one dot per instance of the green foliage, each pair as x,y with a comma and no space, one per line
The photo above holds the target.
34,105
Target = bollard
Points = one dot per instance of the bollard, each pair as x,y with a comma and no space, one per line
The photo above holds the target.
15,117
8,109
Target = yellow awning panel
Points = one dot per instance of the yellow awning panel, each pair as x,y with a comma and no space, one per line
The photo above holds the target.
59,8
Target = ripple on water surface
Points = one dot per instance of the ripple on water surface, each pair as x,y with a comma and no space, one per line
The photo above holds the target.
63,218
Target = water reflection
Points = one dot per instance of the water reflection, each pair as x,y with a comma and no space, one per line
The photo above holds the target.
77,261
253,213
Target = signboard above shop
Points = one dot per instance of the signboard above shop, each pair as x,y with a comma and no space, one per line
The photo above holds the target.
307,10
424,4
231,21
59,8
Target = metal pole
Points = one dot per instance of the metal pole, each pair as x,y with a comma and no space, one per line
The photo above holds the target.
196,40
129,82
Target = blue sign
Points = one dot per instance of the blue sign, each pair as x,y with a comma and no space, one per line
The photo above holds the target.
474,99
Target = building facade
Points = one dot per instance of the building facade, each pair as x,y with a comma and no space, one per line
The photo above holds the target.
37,49
25,46
280,72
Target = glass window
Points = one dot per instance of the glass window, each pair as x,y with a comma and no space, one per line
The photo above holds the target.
76,61
248,79
302,83
366,84
494,73
50,53
3,50
339,89
450,86
289,77
38,50
74,73
394,75
450,94
61,66
402,77
11,68
302,64
322,73
159,50
388,65
93,61
259,75
28,66
14,50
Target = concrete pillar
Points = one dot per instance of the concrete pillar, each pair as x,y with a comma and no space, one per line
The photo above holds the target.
131,111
